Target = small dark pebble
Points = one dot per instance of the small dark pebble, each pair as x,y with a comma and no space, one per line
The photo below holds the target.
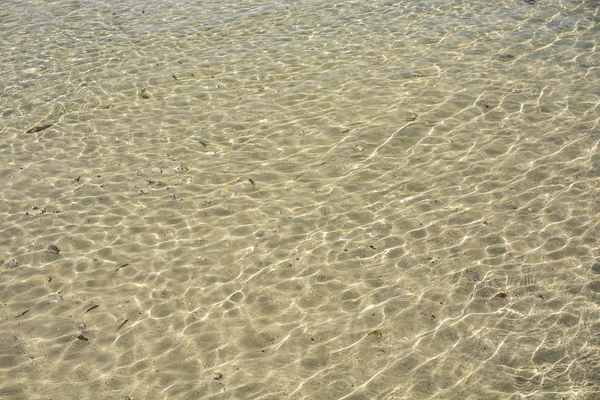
252,182
38,128
531,2
81,337
52,249
501,295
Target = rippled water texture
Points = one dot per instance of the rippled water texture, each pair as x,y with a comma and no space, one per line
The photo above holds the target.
300,199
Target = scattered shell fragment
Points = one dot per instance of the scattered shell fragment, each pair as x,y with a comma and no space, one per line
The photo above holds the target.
217,376
357,148
375,335
501,295
35,210
145,94
52,249
182,168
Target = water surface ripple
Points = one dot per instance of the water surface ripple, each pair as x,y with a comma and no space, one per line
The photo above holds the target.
300,199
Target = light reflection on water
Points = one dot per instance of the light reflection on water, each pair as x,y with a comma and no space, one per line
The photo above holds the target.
267,200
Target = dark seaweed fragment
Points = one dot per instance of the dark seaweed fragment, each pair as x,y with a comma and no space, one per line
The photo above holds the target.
38,128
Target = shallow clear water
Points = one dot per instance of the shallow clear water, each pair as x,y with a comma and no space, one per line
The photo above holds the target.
300,200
